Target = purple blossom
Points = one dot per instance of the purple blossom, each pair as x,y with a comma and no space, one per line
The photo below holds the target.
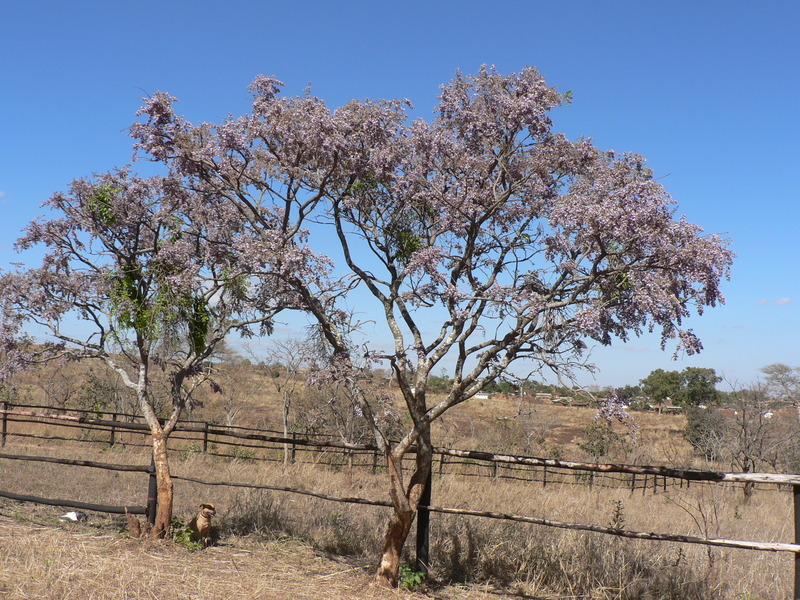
613,409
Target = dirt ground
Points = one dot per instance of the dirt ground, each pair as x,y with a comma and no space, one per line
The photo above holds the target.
76,562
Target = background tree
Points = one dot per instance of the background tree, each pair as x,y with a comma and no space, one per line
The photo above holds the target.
783,383
130,281
706,430
283,363
691,387
329,402
237,384
629,392
748,434
754,436
103,390
698,387
482,239
660,385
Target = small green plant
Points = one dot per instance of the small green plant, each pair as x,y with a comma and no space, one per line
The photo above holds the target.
242,453
183,535
191,450
617,516
600,439
410,578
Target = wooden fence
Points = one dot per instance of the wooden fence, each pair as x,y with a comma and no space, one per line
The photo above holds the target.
110,429
194,436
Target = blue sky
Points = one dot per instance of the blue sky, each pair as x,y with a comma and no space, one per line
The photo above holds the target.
707,91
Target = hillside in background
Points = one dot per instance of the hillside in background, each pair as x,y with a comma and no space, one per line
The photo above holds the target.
253,396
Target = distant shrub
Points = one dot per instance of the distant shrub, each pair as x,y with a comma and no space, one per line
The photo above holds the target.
705,431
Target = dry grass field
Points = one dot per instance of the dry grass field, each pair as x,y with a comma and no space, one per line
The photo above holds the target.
78,563
281,545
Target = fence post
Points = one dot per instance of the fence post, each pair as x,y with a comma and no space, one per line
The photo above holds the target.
796,490
152,493
294,436
5,423
113,440
424,526
205,438
544,477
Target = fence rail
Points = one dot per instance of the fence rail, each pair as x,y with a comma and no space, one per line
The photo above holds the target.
197,436
105,508
497,463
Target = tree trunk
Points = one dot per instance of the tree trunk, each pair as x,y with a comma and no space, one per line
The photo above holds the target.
393,542
405,509
165,487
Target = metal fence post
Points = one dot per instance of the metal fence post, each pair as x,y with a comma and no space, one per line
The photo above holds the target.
205,438
112,439
796,490
5,423
424,526
152,493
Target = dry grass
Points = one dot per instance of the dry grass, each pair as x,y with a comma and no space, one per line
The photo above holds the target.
266,535
74,562
279,545
49,562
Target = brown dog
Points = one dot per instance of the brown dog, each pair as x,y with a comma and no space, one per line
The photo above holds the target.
201,524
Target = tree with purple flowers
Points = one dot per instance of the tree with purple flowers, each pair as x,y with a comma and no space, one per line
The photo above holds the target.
484,241
130,280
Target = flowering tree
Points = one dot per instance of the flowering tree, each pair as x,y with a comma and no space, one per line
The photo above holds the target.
483,238
129,280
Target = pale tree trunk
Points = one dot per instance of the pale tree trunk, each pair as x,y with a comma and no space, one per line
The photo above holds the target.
405,504
165,486
160,434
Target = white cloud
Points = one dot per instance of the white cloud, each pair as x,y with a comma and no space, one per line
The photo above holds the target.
628,348
779,301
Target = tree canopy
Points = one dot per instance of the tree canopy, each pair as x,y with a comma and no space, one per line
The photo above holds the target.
482,236
691,387
129,279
